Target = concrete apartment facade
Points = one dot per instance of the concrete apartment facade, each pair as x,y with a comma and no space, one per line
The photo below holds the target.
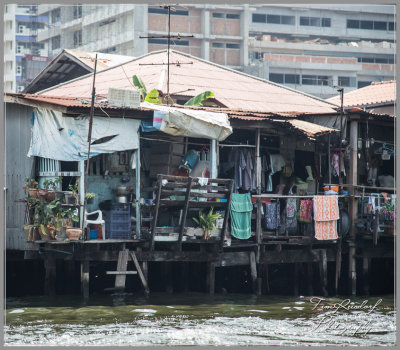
24,56
307,47
313,48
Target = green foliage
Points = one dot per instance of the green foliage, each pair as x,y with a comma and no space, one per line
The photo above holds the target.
73,188
90,195
207,221
140,85
152,96
197,100
50,184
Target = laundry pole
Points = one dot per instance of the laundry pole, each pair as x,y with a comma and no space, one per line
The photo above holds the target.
213,160
137,190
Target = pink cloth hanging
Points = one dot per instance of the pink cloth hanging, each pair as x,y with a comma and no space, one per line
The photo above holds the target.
326,214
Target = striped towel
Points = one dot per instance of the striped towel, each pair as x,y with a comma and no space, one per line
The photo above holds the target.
326,214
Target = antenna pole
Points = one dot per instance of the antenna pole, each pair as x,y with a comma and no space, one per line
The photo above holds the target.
169,33
89,141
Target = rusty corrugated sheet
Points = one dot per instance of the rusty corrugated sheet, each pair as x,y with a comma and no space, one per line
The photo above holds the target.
233,89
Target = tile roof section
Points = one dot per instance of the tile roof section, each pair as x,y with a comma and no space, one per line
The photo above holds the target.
233,89
376,93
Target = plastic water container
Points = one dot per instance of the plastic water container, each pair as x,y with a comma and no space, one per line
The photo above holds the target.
93,234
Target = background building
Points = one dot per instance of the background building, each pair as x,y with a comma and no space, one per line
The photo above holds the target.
307,47
314,47
24,56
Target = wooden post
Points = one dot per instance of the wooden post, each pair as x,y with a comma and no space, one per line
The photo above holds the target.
295,279
85,267
338,264
69,269
258,187
185,275
323,271
82,189
310,277
253,270
267,289
226,216
353,205
366,263
184,213
140,272
259,279
122,265
156,210
50,278
137,189
211,277
166,266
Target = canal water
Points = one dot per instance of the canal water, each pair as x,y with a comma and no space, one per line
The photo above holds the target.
199,319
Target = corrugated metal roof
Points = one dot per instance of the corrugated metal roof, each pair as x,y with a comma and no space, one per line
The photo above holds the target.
377,93
105,60
233,89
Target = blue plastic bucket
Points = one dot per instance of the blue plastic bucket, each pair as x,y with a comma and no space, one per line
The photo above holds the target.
93,234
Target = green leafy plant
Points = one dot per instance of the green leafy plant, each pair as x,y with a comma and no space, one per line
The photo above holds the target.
388,209
152,96
197,100
51,184
30,183
90,195
207,222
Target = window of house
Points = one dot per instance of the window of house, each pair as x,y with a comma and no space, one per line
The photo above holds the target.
232,46
259,18
232,16
325,22
304,21
77,38
274,19
292,79
315,80
380,25
344,81
391,26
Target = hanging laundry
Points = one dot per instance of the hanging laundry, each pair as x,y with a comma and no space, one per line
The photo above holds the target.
326,214
335,164
248,173
240,211
272,215
305,211
277,163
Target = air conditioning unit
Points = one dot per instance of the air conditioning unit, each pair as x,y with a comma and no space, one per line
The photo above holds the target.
124,97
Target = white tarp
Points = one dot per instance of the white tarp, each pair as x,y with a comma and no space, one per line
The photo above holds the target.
192,123
64,138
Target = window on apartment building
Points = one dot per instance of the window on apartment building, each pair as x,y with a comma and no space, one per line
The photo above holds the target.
77,38
391,26
366,25
344,81
77,11
288,20
55,16
56,42
383,59
218,15
281,78
259,18
162,11
278,19
232,16
361,84
108,21
157,41
353,23
315,80
315,21
218,45
232,46
380,25
109,49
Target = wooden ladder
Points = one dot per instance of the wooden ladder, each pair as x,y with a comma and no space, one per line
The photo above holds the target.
120,274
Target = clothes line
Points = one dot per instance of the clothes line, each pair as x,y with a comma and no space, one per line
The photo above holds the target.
239,145
170,141
273,196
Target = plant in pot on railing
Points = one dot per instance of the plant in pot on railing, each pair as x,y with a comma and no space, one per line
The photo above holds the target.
62,218
51,185
89,197
388,212
207,222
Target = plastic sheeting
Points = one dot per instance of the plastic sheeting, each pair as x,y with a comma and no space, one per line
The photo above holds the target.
192,123
61,137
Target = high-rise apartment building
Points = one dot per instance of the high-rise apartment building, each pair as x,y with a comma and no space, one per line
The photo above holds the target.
24,56
311,48
314,48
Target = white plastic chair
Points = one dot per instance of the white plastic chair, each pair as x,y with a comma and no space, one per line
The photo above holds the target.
98,221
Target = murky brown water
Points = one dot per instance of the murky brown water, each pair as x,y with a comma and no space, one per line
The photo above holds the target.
198,319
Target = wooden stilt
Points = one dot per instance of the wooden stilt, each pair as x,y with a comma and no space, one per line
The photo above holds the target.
366,264
259,279
185,276
253,270
167,267
139,270
211,277
85,267
267,289
310,278
323,271
69,270
295,279
50,278
338,264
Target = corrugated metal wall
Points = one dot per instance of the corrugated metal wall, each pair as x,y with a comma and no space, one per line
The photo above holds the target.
18,167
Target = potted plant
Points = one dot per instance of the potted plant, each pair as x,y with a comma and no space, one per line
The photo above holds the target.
388,212
31,187
207,222
61,217
89,197
51,185
72,196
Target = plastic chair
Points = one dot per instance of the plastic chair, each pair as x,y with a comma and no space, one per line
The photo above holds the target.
98,221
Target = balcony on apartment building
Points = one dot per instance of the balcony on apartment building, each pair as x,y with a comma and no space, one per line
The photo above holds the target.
105,12
109,41
45,8
48,32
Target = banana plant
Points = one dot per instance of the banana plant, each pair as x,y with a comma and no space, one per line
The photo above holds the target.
207,222
153,96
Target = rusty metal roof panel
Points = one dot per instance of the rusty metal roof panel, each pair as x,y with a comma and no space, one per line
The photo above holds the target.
377,93
233,89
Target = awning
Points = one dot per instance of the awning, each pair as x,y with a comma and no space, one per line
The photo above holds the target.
192,123
61,137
